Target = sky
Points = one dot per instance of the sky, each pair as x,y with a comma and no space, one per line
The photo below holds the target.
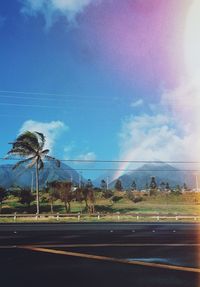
102,79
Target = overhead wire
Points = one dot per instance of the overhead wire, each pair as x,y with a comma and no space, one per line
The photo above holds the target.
114,161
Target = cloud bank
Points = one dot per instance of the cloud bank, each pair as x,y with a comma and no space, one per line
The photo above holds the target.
151,138
172,135
51,130
137,103
87,156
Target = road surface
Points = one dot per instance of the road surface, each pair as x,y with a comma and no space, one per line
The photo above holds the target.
103,254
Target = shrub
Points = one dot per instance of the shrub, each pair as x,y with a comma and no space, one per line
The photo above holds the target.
116,198
108,193
138,199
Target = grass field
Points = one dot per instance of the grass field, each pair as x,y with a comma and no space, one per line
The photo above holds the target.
109,210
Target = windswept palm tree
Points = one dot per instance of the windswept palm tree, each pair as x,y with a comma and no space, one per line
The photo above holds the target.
30,145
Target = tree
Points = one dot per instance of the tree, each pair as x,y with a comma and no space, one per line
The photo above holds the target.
103,185
177,190
146,187
2,196
89,184
30,145
62,190
118,185
66,194
167,187
185,187
52,192
153,186
25,196
133,185
88,193
162,186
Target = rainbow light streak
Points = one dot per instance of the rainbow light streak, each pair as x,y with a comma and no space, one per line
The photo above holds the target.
181,49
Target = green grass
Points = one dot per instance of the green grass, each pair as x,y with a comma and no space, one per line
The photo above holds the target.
186,204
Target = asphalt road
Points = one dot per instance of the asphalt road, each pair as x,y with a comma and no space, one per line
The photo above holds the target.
122,254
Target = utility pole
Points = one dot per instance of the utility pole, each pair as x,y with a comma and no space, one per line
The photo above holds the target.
197,185
107,182
80,180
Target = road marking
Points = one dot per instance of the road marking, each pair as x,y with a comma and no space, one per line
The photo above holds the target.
119,245
112,259
107,245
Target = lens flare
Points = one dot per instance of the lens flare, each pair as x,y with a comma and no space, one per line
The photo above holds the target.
192,40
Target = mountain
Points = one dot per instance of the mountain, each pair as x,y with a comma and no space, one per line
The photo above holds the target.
108,175
22,176
162,172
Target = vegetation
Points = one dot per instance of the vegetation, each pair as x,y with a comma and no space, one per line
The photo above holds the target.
186,203
118,185
2,196
62,196
103,185
25,196
30,145
153,186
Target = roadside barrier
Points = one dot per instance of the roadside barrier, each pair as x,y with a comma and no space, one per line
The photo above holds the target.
102,216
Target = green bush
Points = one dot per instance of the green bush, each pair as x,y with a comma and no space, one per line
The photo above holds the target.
116,198
108,194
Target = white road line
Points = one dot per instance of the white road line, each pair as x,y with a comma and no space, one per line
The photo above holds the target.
107,245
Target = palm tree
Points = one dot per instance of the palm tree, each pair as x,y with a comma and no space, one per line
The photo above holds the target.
30,145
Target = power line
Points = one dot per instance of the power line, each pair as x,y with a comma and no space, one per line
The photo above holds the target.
35,93
57,95
30,106
32,98
118,169
115,161
129,161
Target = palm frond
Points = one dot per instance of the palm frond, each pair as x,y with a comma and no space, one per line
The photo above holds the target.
45,151
54,159
21,162
22,148
33,162
17,152
41,139
30,138
40,164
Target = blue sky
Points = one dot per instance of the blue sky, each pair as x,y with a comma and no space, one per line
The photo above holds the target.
92,84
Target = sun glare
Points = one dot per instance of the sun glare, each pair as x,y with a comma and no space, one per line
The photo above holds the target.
192,40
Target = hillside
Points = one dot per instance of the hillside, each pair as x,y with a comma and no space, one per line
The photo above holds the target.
163,173
22,176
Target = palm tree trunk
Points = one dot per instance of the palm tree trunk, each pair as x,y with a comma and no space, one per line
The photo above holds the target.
51,206
65,206
37,187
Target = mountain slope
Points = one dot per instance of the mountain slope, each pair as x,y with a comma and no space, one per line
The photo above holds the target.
162,172
22,176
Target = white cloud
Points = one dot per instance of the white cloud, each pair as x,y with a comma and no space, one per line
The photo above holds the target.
52,9
150,138
87,156
184,102
170,135
67,150
154,138
51,130
137,103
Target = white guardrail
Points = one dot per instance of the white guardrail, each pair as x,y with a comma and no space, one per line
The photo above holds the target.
114,216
